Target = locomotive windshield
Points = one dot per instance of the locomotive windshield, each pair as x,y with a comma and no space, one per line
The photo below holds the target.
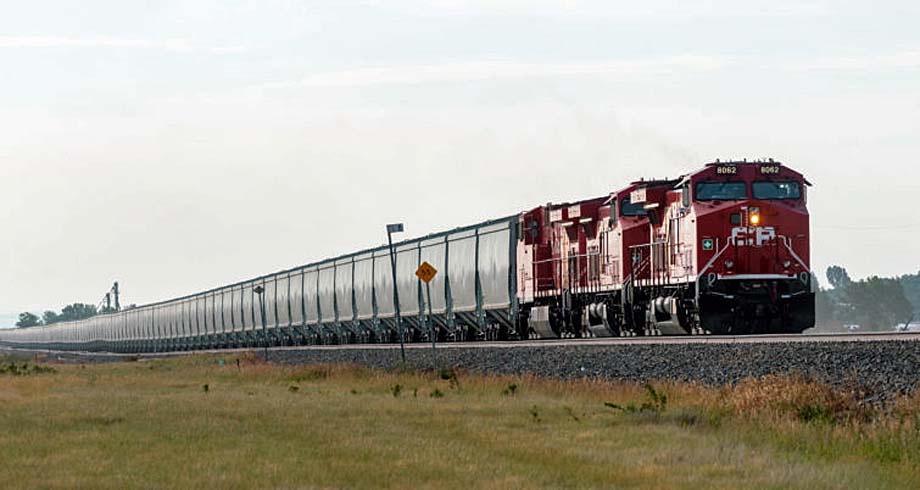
721,191
627,208
777,190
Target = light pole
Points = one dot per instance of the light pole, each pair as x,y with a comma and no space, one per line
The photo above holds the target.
396,228
260,290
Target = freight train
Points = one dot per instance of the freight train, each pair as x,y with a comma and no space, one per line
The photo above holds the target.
722,250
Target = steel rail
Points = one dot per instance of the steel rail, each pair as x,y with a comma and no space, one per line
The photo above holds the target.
594,342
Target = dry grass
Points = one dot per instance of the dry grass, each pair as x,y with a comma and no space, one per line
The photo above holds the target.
213,422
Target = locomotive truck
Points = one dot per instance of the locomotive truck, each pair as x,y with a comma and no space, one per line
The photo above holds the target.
722,250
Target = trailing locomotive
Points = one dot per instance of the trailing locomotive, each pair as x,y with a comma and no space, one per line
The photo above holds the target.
723,250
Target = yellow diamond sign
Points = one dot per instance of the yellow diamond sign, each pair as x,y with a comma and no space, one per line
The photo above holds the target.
426,272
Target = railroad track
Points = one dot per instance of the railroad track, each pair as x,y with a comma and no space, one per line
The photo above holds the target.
595,342
714,339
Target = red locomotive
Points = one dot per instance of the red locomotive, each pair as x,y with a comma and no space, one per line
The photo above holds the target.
723,250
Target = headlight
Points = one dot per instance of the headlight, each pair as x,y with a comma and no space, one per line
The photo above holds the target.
755,216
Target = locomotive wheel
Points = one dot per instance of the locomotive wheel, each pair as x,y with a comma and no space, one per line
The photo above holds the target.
556,321
575,323
614,322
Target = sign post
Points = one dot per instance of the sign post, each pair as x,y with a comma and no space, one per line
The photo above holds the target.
426,273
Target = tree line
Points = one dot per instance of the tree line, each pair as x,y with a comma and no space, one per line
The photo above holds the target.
875,303
76,311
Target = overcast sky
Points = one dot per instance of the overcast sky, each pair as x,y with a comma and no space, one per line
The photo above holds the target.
176,146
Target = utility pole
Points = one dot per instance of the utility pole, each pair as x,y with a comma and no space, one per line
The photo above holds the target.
260,290
396,228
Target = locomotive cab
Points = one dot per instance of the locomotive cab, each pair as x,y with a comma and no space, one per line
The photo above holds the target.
752,248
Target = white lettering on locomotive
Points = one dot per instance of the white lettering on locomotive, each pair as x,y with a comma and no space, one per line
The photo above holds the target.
752,237
638,196
575,211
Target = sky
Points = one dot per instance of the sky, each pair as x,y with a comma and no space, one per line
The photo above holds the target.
175,146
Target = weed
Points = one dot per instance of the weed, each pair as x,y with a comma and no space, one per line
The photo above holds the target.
571,413
396,390
293,388
403,368
797,398
535,414
629,408
814,413
100,421
24,369
449,374
688,418
354,391
436,394
312,373
510,390
205,388
446,373
656,402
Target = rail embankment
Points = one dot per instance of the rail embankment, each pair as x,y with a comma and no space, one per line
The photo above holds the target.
877,369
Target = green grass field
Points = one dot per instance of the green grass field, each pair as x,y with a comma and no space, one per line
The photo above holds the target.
208,422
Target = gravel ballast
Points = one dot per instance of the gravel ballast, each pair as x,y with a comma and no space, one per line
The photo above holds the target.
880,369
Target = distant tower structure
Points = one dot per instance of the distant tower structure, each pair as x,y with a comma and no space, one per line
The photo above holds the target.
106,302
